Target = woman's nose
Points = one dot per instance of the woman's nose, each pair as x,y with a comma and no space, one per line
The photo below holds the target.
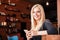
35,13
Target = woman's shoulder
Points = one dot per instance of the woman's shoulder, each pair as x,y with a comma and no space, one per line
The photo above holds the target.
50,28
47,21
47,24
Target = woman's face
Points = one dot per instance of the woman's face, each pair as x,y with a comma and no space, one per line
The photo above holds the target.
36,13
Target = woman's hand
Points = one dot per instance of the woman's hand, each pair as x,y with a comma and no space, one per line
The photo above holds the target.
28,35
34,32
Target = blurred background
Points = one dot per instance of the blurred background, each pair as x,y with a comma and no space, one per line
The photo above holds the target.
15,16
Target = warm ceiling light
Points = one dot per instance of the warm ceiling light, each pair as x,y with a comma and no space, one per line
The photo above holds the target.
9,1
47,3
0,2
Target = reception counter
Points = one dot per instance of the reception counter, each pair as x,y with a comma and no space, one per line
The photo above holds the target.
51,37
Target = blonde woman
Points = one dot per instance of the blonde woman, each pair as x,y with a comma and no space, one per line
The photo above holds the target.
39,25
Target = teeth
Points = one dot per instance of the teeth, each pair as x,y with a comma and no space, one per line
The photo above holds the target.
35,15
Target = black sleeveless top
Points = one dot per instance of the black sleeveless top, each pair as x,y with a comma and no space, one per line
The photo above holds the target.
47,25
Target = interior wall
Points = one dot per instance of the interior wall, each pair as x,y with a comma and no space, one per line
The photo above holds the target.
58,12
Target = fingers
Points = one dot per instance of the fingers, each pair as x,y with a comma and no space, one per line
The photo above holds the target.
34,32
28,34
25,31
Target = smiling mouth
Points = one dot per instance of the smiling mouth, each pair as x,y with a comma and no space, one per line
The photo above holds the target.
36,16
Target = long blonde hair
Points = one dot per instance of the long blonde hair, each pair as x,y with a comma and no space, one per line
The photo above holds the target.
42,17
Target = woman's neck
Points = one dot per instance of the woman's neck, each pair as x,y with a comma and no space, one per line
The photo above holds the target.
36,23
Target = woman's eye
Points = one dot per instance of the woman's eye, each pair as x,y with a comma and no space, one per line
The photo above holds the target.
33,12
37,12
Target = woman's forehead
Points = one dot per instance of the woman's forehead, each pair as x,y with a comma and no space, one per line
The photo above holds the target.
36,8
